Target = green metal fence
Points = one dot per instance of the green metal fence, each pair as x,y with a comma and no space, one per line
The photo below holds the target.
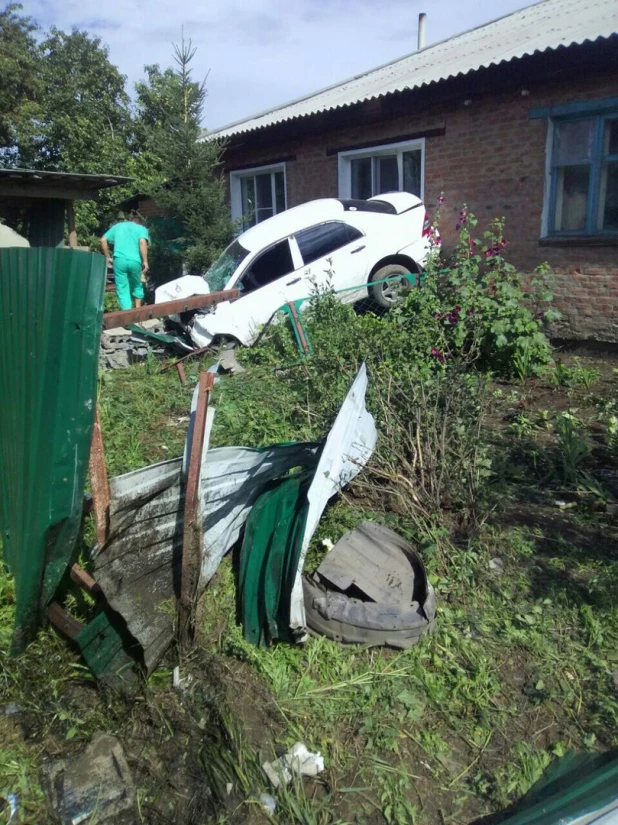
51,307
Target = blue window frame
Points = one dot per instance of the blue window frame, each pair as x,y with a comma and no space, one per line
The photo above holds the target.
584,175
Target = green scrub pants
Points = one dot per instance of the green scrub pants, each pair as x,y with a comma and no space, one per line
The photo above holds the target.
128,278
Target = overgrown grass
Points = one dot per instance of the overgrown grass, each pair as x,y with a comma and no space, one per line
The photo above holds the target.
520,668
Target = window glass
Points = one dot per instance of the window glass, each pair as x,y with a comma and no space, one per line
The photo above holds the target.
279,192
610,142
412,172
361,178
225,266
247,191
353,233
608,198
264,195
573,183
377,173
387,174
320,241
269,266
574,142
585,175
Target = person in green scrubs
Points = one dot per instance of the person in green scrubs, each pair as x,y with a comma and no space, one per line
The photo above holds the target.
130,259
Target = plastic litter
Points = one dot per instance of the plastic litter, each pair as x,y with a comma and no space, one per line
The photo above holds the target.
11,799
497,565
12,709
298,760
268,803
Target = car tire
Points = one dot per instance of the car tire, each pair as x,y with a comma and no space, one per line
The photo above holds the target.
386,296
352,621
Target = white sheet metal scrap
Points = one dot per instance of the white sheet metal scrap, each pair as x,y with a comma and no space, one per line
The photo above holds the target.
543,27
348,448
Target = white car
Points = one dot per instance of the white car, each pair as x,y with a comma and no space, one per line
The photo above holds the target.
345,244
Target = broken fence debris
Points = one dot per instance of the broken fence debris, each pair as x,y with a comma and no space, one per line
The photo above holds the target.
577,789
162,532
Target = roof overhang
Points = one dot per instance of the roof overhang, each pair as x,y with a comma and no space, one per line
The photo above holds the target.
32,183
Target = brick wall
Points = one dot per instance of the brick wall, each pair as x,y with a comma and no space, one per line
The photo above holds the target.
149,209
491,157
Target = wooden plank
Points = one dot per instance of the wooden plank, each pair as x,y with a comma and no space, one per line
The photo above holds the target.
62,621
71,223
99,483
111,320
84,580
192,538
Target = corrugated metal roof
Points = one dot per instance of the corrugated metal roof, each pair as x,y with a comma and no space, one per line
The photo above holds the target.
74,180
539,28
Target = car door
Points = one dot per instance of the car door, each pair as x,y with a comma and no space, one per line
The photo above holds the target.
334,254
264,285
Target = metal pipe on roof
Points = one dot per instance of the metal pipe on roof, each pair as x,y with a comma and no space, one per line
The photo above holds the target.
422,30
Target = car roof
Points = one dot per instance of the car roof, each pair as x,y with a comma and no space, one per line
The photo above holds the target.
291,221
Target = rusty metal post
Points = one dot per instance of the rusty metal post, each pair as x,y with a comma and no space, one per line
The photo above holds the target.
98,482
181,373
192,537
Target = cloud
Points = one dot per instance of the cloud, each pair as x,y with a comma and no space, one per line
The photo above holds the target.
264,53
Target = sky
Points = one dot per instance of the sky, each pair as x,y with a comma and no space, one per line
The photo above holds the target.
260,54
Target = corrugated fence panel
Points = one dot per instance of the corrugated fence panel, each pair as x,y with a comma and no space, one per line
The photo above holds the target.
51,307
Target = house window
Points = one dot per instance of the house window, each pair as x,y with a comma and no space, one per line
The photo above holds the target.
395,167
257,194
584,176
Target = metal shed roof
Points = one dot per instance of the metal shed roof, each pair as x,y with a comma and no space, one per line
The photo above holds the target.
543,27
48,183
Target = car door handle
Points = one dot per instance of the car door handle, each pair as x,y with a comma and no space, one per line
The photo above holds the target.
295,281
358,249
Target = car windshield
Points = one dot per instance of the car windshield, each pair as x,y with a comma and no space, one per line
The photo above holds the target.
225,266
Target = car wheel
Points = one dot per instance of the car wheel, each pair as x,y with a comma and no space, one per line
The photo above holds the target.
385,295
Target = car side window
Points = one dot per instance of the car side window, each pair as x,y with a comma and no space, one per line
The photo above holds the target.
321,240
269,266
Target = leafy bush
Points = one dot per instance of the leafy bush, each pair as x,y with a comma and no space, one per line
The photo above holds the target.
477,307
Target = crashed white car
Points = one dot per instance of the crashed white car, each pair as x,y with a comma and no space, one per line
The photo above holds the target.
347,245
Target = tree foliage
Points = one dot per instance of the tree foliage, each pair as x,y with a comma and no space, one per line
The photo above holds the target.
64,107
189,189
20,86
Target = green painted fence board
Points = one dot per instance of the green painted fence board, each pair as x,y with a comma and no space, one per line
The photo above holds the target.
51,307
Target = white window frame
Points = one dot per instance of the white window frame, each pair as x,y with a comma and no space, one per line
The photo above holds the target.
236,190
398,148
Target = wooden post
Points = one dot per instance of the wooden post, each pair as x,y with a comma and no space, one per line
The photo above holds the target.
71,222
99,484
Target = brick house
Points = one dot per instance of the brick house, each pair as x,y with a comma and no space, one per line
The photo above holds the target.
517,118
